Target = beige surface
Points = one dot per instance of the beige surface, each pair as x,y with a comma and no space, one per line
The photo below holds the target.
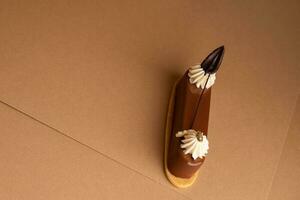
39,163
101,72
287,180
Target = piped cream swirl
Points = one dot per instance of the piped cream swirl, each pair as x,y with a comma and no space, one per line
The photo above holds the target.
197,76
193,142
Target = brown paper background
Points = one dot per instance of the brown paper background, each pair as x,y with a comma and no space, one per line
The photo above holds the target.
101,73
39,163
286,181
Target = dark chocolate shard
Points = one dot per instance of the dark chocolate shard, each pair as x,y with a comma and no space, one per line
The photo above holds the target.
213,61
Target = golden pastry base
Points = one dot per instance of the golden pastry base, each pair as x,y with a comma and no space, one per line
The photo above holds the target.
176,181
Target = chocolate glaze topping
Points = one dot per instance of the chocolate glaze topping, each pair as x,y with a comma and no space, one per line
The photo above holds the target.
191,111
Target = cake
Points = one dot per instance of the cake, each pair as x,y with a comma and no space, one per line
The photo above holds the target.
187,124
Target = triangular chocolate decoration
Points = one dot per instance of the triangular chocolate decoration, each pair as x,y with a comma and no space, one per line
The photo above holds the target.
213,61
